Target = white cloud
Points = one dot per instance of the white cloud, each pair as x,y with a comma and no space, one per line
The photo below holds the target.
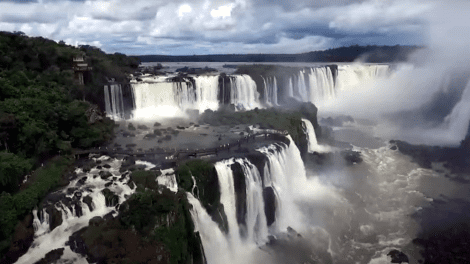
210,21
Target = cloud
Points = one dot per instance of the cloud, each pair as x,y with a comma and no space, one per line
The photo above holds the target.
257,26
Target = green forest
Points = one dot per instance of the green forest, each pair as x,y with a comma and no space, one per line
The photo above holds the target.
45,114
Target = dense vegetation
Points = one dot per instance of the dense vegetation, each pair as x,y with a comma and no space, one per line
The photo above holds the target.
344,54
153,226
206,188
14,207
44,112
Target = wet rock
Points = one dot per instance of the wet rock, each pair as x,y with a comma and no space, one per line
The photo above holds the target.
128,134
108,184
156,124
105,174
96,221
76,242
87,168
269,205
88,201
98,161
78,209
398,256
143,127
71,190
130,126
55,217
351,157
109,216
77,195
99,167
82,180
150,136
240,192
393,147
107,166
111,198
52,256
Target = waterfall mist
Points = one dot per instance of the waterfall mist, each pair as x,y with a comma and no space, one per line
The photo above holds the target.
425,101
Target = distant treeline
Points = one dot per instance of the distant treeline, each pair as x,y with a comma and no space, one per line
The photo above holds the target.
377,54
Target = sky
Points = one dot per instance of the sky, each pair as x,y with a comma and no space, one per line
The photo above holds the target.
187,27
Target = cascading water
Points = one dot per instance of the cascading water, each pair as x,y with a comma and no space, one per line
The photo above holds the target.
352,75
114,104
243,93
77,214
169,97
83,199
322,85
154,99
207,89
313,145
270,90
284,173
302,87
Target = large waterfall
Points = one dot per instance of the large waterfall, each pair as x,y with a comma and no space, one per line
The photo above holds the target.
283,175
170,96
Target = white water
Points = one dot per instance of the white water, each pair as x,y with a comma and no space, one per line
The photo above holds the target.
168,179
114,101
351,76
243,93
46,240
285,173
319,86
322,85
207,90
270,90
313,145
256,224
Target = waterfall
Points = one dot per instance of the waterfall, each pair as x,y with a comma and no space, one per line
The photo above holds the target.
310,132
302,87
213,240
290,91
274,93
75,210
256,224
270,90
313,145
207,89
352,75
244,94
267,99
114,104
284,172
155,99
227,199
321,83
